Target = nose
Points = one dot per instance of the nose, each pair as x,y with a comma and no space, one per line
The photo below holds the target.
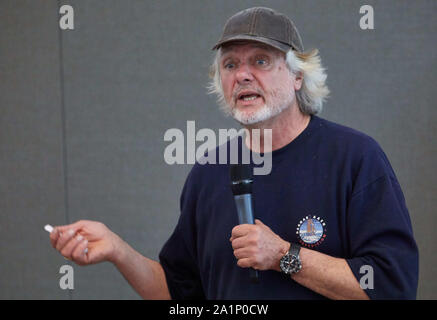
244,74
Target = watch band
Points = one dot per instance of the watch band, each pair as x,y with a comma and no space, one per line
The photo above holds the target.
294,249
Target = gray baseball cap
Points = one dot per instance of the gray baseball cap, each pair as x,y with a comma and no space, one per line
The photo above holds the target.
262,25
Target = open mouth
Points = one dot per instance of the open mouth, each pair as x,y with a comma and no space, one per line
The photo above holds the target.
248,96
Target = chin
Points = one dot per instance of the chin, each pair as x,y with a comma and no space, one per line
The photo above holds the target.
253,117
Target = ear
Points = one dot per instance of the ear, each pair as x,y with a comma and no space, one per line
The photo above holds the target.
298,80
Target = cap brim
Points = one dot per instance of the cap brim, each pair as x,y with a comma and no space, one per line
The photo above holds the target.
242,37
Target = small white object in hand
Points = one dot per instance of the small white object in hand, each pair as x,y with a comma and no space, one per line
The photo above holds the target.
48,228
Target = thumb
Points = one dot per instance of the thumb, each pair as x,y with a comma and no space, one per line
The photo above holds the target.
259,223
262,225
74,226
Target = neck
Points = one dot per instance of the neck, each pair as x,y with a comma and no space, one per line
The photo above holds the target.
285,127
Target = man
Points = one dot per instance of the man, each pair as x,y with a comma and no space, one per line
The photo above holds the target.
330,212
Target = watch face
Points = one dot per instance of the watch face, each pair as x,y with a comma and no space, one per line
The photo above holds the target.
285,263
290,264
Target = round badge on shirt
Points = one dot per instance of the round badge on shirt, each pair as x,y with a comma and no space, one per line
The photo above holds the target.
311,231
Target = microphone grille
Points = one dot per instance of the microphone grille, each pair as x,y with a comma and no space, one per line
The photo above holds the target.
240,172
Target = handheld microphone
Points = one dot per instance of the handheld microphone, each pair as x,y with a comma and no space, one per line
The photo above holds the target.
241,184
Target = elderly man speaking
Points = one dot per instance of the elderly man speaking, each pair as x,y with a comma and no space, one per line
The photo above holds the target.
330,218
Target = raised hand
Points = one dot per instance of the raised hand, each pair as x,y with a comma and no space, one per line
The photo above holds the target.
85,242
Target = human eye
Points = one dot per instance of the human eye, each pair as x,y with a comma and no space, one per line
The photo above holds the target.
229,65
262,61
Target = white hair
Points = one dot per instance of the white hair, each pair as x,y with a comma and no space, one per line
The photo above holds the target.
311,95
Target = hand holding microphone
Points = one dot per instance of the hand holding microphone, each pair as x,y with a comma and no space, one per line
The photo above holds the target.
255,245
241,184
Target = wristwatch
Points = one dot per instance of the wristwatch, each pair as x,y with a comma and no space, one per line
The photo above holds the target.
290,263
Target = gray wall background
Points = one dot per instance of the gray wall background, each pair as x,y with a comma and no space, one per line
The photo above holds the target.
83,115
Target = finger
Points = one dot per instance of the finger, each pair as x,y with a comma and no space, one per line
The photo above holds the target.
259,222
240,230
239,243
59,230
69,247
245,263
75,226
243,253
54,235
79,254
64,237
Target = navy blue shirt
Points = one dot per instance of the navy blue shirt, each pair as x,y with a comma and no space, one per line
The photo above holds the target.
332,189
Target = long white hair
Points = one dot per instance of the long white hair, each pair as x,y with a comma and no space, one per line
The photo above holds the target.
310,97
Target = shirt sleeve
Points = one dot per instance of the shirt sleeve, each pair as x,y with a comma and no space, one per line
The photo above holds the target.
384,254
178,257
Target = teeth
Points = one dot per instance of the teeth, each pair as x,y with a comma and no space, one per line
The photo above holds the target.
250,98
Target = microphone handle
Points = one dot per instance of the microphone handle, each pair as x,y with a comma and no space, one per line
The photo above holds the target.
253,275
245,216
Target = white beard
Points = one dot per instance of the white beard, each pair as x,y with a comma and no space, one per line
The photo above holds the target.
261,115
280,103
